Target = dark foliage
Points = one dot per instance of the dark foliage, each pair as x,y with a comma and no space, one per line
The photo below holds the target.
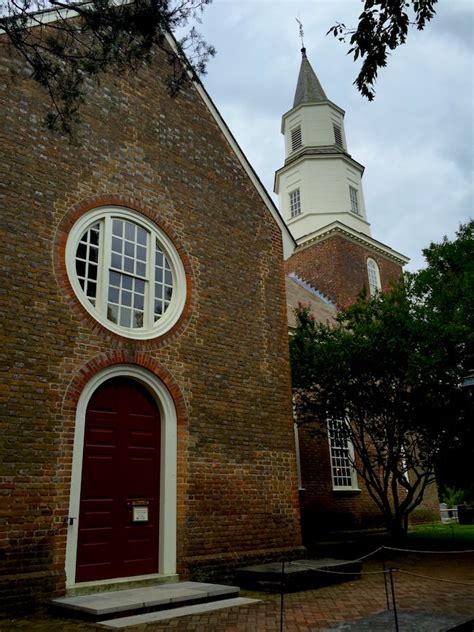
383,26
66,44
393,369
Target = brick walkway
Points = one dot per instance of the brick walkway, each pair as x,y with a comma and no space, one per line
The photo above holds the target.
312,610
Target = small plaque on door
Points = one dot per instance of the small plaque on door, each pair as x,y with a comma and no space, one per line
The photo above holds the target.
140,512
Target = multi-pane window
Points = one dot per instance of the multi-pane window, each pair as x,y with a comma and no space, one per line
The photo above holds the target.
123,270
338,135
354,200
296,139
373,276
342,456
295,203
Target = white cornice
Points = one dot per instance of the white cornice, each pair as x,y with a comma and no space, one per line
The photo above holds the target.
304,154
336,228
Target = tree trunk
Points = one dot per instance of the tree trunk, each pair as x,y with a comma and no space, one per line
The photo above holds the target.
397,527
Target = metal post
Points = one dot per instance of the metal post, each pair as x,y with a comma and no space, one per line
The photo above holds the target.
282,594
385,578
393,599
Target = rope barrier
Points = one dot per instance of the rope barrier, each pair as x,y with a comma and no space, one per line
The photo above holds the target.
391,548
324,570
436,579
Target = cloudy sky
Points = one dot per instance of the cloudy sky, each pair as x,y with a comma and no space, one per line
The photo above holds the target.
416,139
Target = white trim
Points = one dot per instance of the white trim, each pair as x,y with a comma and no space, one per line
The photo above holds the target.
298,456
167,526
354,486
373,267
358,237
178,300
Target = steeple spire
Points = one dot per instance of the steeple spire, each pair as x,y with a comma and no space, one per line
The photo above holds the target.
308,88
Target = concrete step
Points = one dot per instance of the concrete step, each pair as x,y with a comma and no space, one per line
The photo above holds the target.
183,611
298,574
140,600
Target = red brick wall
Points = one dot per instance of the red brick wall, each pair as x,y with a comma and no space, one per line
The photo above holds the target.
226,362
324,510
337,267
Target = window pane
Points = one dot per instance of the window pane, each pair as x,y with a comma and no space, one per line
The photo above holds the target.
117,244
141,269
81,268
114,279
138,301
141,236
92,271
113,295
91,289
112,313
137,319
127,282
141,253
129,249
81,251
117,227
116,261
87,256
130,231
126,298
125,316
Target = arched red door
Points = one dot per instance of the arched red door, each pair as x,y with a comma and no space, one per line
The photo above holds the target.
119,508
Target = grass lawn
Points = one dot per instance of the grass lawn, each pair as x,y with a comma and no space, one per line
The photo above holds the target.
443,534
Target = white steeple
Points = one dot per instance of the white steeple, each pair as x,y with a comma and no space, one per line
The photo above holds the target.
320,183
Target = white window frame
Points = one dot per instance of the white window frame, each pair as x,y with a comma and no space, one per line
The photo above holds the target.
354,198
178,299
295,202
335,458
373,275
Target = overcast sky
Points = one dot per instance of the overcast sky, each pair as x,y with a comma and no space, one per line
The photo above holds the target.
416,140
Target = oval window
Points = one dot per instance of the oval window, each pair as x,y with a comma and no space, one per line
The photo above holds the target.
126,272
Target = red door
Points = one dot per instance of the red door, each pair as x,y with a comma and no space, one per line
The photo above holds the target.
120,471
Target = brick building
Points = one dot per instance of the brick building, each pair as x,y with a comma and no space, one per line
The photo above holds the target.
146,421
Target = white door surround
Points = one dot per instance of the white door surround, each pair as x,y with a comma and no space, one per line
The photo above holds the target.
166,406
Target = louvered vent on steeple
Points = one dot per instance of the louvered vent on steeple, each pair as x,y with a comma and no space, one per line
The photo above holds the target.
338,136
296,140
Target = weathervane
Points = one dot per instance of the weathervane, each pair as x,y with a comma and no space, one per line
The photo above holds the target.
303,49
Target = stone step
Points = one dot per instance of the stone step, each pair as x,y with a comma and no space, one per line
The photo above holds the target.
183,611
138,600
298,574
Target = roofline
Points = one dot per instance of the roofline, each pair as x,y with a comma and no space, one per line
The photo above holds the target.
355,235
289,243
252,174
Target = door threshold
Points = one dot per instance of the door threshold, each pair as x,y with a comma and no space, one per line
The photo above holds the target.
120,583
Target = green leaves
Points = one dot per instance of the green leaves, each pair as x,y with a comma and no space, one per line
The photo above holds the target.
383,26
393,366
65,54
